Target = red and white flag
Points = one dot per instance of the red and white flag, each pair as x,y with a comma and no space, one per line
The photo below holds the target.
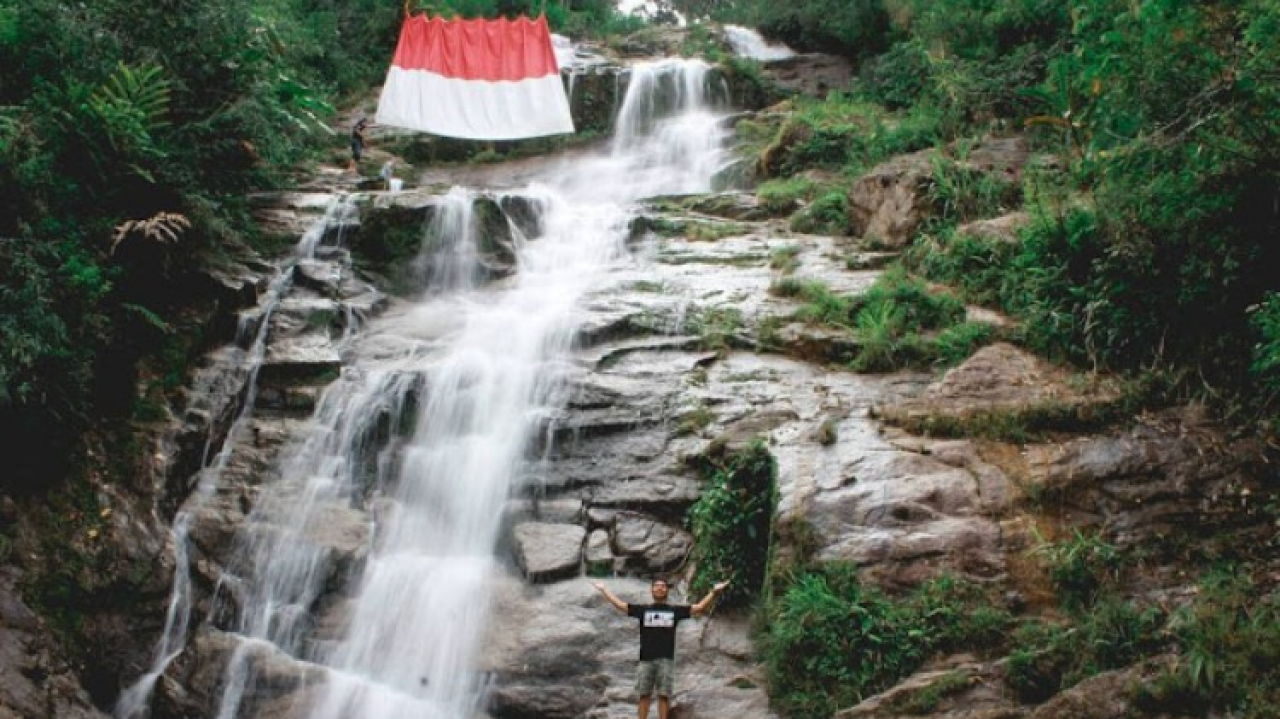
475,79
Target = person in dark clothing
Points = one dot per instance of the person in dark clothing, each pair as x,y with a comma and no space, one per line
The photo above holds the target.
656,673
357,142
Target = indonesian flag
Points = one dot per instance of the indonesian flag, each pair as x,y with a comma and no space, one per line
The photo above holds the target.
475,79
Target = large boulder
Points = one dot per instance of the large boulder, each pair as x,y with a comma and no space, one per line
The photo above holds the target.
888,204
1004,379
647,545
547,552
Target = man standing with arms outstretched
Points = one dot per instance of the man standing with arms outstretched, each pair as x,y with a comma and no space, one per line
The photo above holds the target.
658,620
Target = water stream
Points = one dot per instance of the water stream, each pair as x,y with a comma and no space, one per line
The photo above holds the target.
368,560
245,356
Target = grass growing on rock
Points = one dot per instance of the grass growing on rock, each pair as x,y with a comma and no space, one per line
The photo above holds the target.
899,322
829,641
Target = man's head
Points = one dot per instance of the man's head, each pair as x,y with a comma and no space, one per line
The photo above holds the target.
659,589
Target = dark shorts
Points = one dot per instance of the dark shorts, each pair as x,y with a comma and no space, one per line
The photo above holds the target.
656,677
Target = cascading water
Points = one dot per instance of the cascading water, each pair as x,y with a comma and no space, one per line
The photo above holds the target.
368,560
246,356
750,44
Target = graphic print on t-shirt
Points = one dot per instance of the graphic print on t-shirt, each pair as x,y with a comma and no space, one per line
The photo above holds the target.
655,618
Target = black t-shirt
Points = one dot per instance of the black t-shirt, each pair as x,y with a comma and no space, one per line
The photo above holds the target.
658,628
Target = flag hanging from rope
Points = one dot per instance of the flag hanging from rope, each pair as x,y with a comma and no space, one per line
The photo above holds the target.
475,79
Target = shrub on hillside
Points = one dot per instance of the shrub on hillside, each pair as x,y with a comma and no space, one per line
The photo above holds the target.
829,642
732,523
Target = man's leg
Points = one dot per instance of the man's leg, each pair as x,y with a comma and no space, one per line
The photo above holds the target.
665,681
646,677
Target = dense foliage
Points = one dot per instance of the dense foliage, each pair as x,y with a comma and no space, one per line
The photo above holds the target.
129,135
829,641
732,522
1155,198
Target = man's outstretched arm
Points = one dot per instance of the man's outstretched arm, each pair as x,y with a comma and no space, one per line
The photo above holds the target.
705,604
618,603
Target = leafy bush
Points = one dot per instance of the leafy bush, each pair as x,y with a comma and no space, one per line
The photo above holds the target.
1230,642
843,134
1047,658
1266,354
829,642
1081,568
826,215
732,523
898,78
854,28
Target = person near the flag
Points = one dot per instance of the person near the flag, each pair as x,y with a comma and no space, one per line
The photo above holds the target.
358,141
388,173
656,672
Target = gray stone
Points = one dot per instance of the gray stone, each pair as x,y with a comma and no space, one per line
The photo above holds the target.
647,545
548,552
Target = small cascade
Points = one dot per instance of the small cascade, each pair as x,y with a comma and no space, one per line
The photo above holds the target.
751,44
449,260
245,358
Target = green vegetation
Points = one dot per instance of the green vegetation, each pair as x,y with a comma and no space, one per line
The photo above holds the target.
783,196
1230,641
928,698
1048,657
828,641
732,522
716,327
846,134
899,322
1080,568
785,259
826,215
1154,200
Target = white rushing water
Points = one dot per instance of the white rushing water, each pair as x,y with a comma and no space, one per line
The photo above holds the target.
750,44
246,357
400,482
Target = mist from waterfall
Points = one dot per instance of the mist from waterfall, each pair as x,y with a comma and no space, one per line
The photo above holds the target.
370,555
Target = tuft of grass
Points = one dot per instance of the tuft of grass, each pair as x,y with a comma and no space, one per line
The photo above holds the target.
785,259
826,215
927,699
828,432
695,420
716,327
1081,567
783,196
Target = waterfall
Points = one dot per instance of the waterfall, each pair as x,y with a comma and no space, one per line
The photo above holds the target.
366,561
449,258
750,44
244,357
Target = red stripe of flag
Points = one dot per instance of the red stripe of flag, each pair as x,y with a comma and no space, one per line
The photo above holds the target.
491,50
